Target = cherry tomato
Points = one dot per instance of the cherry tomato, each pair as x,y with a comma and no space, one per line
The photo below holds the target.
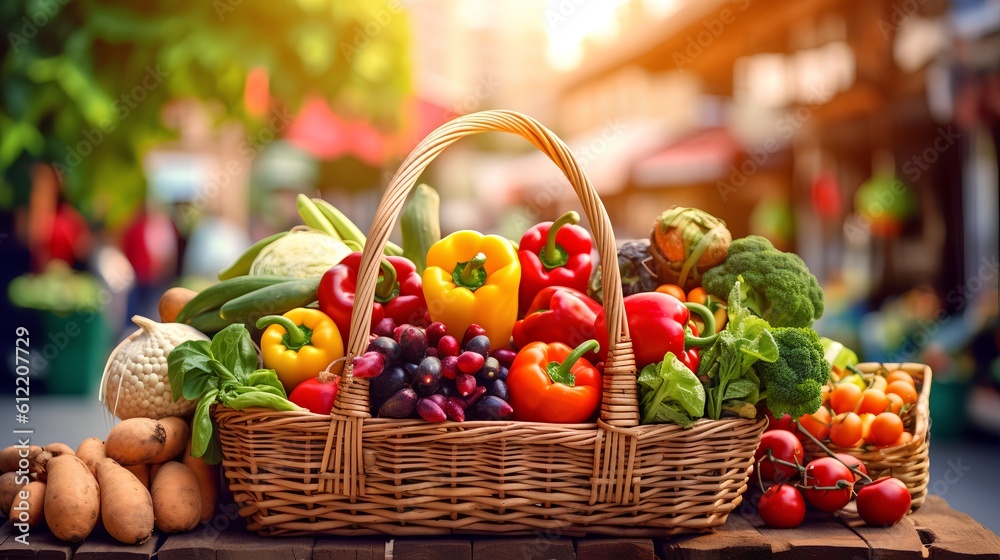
845,431
817,424
786,422
886,428
852,461
906,391
900,375
895,403
782,507
873,401
672,289
784,446
883,502
822,476
866,426
845,397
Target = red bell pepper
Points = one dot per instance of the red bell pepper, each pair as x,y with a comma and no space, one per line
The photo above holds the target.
659,323
552,383
553,254
558,314
399,293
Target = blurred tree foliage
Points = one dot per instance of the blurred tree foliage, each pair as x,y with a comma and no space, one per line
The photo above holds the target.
83,81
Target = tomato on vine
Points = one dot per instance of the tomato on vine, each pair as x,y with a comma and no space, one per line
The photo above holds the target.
883,502
827,484
782,507
779,456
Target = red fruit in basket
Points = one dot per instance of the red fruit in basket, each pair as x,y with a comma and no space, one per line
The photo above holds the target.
505,356
449,367
447,346
454,408
474,396
385,327
473,331
784,447
412,344
465,384
316,394
434,332
883,502
827,484
470,362
782,507
430,411
368,365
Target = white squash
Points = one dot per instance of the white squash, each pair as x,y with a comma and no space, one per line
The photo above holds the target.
135,382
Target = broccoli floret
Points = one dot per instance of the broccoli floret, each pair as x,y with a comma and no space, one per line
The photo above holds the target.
781,289
792,384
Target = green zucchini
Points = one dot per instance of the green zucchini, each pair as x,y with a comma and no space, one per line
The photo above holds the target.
270,300
215,295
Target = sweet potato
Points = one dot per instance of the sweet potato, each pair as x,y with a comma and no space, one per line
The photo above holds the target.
72,499
208,482
91,452
10,484
176,498
141,472
37,462
59,448
11,456
28,505
126,506
172,301
178,433
136,440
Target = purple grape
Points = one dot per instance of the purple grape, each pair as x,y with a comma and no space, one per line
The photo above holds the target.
470,362
505,356
447,346
465,384
471,399
368,365
478,344
502,373
499,390
400,405
490,408
430,411
473,331
389,383
435,331
454,408
438,398
412,344
385,327
449,367
387,347
488,373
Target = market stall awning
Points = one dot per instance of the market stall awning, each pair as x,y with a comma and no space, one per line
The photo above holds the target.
701,157
324,134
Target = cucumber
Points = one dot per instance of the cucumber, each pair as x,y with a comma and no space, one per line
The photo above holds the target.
209,322
241,267
270,300
217,294
421,224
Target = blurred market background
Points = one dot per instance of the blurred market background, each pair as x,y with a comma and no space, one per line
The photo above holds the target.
145,145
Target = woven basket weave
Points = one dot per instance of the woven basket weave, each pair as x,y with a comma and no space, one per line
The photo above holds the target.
350,474
909,462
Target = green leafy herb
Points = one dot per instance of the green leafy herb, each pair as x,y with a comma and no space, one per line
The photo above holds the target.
731,383
224,371
670,392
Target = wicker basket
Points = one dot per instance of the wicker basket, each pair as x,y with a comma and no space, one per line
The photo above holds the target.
350,474
909,462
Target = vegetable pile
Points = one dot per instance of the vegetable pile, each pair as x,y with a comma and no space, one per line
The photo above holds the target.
469,327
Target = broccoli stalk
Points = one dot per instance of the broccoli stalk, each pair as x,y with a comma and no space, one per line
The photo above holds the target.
778,286
792,384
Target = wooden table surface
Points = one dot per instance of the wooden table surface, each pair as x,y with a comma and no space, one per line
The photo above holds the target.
935,531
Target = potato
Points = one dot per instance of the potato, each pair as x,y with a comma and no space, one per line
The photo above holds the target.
72,499
10,484
91,452
140,471
176,498
208,483
178,433
58,448
136,440
27,506
126,506
172,301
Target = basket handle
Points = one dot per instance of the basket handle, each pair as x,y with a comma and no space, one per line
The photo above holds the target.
406,177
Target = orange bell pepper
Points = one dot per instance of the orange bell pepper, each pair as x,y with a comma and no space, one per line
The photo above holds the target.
554,383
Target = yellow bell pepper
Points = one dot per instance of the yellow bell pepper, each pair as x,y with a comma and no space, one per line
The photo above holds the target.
473,278
299,344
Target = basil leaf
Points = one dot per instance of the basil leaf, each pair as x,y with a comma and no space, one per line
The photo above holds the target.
261,399
197,382
187,358
213,455
202,427
233,348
